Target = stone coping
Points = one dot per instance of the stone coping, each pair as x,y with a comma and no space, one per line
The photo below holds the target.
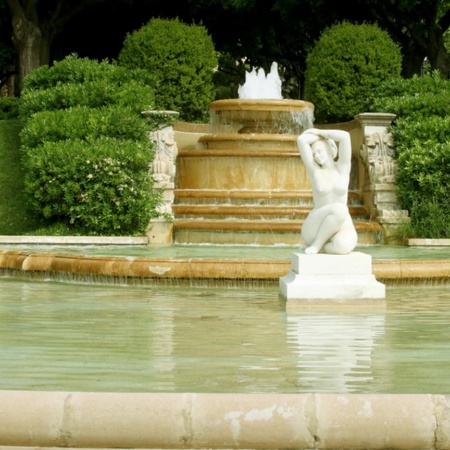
429,242
76,240
223,421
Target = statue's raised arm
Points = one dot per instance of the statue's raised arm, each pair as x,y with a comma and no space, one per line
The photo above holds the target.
326,155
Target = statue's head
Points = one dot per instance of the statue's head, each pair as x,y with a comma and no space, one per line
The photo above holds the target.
323,149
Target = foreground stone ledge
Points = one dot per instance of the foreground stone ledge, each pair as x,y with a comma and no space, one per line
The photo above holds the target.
222,421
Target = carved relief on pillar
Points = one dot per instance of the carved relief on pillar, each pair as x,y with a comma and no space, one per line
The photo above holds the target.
163,167
377,156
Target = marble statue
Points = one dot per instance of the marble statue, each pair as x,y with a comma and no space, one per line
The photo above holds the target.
326,155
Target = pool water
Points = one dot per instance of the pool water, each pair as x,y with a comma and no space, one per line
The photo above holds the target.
281,252
86,337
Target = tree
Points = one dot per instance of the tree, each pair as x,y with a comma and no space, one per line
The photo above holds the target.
286,29
35,23
7,52
260,30
419,27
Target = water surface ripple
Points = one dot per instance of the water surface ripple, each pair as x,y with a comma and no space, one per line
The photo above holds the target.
62,336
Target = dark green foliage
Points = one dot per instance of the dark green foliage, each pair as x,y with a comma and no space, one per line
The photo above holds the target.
424,187
99,186
181,58
347,63
9,108
421,135
413,98
86,149
83,82
15,217
81,122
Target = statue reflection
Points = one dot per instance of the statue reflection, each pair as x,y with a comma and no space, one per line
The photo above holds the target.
334,350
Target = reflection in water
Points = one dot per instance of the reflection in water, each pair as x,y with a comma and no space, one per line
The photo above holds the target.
335,350
57,336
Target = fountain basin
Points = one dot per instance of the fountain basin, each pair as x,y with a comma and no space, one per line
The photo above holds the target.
209,270
262,116
216,419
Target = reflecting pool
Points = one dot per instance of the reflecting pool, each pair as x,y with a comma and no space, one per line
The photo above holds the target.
86,337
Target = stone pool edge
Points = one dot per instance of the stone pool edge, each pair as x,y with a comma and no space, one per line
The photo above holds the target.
222,421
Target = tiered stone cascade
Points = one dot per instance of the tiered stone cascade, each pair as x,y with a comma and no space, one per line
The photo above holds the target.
246,183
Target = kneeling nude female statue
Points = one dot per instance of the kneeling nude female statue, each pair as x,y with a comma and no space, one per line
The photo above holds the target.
328,227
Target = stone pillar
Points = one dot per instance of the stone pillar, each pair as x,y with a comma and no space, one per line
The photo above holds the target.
163,170
380,169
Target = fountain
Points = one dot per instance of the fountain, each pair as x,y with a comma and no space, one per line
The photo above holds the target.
244,183
119,326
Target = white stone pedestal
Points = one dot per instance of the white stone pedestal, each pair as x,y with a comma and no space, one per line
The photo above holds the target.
323,278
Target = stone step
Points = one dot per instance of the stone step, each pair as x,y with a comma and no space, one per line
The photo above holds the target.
250,142
252,197
259,232
184,211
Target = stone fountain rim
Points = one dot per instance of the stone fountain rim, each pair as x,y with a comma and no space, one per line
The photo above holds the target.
237,104
291,138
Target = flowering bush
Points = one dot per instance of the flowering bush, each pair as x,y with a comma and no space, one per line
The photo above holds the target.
98,186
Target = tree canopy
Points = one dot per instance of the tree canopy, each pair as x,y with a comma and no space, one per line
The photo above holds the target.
261,31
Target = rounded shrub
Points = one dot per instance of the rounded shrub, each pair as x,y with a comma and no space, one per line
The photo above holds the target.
83,82
347,63
182,60
85,147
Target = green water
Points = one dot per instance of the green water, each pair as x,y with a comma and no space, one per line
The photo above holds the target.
281,252
62,336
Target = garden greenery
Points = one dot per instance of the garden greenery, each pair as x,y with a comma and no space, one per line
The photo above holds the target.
181,58
346,64
9,108
85,147
422,142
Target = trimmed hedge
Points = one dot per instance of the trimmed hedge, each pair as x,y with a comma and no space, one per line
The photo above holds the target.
347,63
81,122
181,58
85,147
